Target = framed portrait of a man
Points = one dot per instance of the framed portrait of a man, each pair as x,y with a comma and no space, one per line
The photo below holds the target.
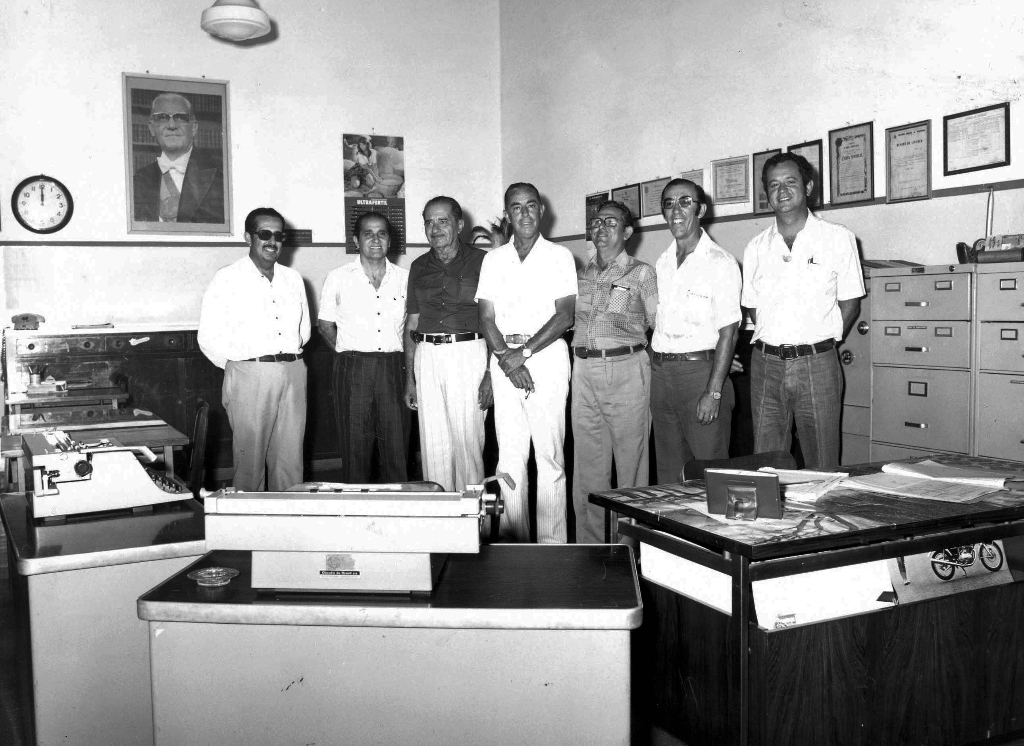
177,155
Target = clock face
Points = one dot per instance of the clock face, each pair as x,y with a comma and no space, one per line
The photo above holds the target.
42,204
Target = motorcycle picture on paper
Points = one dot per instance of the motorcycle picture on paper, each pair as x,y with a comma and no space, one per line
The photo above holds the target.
946,561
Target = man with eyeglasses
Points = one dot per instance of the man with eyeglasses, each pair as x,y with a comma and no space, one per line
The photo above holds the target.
447,376
699,313
253,324
362,316
526,297
611,375
184,184
803,285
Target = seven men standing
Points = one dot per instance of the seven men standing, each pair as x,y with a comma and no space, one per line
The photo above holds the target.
802,287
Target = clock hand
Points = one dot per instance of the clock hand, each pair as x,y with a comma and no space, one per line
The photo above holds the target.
42,197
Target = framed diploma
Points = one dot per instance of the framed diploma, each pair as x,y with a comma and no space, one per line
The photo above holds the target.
976,139
650,196
594,202
908,162
630,197
696,176
761,205
731,180
851,158
811,150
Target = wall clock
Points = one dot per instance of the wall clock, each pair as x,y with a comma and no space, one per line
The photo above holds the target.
42,204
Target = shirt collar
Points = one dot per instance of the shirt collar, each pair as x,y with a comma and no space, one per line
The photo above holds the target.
179,164
811,222
460,255
622,259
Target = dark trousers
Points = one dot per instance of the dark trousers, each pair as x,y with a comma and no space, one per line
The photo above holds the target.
368,405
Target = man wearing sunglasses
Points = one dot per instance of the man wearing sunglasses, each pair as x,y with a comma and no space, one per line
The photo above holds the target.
699,313
611,374
184,184
253,324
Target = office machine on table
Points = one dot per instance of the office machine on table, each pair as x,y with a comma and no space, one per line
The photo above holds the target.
71,477
369,538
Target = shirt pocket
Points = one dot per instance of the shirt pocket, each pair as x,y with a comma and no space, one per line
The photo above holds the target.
697,308
821,280
619,297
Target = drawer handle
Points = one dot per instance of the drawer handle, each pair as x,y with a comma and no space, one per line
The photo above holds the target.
138,341
915,349
916,304
1019,383
920,425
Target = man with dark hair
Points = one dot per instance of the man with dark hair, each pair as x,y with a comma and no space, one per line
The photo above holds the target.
362,316
447,377
526,297
802,288
611,376
253,324
698,314
184,184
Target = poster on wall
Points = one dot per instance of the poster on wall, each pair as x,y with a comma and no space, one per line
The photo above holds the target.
593,204
812,152
761,205
374,171
177,151
851,157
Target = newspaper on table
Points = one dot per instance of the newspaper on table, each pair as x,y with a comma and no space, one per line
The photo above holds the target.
930,480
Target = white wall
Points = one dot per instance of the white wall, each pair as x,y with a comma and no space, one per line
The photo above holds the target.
600,94
426,72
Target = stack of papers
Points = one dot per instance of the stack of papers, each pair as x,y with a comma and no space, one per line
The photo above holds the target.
804,485
932,481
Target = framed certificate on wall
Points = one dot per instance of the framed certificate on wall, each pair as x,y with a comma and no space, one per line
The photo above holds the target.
851,157
908,162
731,180
976,139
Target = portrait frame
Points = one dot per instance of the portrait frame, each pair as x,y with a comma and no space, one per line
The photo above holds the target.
206,190
650,193
851,161
629,196
761,206
907,178
811,150
976,140
730,179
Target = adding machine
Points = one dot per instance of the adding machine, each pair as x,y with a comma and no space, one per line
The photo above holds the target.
70,477
370,538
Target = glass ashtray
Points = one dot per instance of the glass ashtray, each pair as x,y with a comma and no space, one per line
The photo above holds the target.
213,576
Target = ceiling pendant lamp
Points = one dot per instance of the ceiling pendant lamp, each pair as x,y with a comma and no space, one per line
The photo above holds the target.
235,20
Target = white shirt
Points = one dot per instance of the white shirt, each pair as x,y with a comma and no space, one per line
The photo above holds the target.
696,298
369,319
524,292
245,315
797,300
177,167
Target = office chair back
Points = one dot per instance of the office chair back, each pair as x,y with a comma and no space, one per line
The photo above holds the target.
778,459
195,470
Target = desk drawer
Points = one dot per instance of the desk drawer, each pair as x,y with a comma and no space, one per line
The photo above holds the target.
936,297
1000,424
146,342
1001,297
1002,346
72,345
942,343
921,408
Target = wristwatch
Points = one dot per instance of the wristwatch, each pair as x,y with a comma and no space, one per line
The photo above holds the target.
527,352
715,394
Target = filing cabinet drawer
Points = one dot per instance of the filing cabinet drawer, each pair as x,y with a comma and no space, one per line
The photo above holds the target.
886,452
1000,422
1001,297
942,343
922,408
936,297
1002,346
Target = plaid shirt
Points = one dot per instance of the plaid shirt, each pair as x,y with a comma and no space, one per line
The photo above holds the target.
616,306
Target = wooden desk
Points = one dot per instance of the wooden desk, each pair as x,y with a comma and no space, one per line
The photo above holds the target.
517,644
162,437
910,673
67,398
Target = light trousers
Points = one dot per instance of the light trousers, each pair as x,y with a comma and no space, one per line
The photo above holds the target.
518,418
266,406
611,421
450,419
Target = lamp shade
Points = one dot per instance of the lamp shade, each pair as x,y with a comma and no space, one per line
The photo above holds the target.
235,20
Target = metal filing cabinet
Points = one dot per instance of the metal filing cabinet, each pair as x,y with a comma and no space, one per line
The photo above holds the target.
921,356
855,355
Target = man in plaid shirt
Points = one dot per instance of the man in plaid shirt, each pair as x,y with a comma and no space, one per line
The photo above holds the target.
611,375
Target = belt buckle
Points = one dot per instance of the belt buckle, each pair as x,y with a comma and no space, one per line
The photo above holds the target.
437,339
788,352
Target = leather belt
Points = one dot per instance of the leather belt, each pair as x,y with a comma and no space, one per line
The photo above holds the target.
281,357
698,355
583,352
518,339
441,339
791,352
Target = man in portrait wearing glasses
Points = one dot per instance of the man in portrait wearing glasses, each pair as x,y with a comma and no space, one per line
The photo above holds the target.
253,324
447,376
184,184
526,297
803,285
611,376
699,313
362,316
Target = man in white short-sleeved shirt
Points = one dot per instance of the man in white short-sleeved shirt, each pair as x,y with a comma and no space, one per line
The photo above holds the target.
527,300
802,287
